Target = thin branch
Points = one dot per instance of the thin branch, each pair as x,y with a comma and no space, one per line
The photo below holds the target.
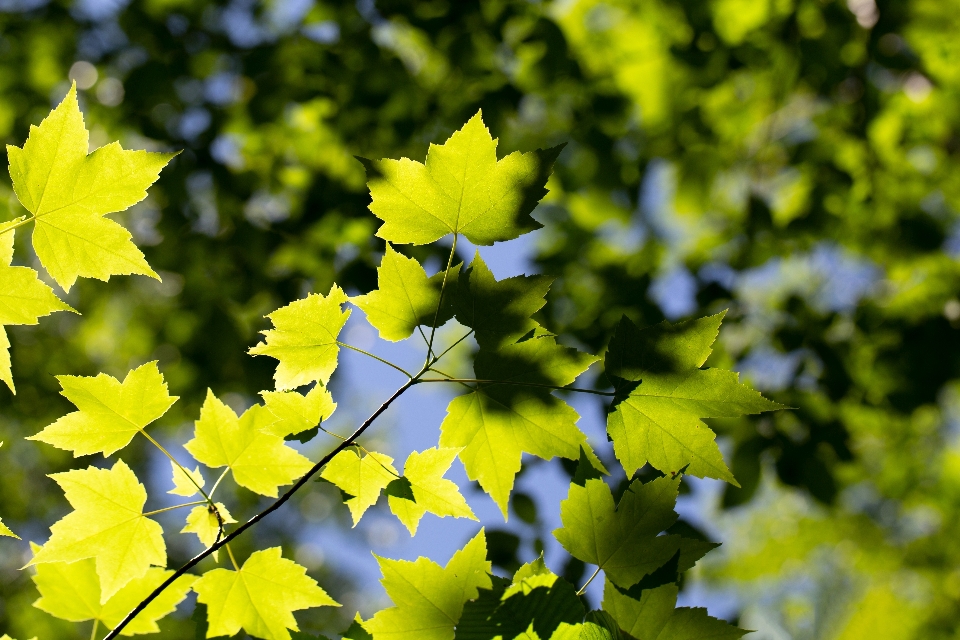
516,383
443,287
587,583
367,353
260,516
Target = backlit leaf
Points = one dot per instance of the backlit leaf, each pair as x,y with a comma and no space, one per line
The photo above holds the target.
428,599
304,339
406,297
431,491
296,412
203,521
68,192
260,598
258,460
624,541
111,412
5,531
186,483
643,618
462,188
361,478
107,524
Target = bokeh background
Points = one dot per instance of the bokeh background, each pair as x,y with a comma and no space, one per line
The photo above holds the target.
794,161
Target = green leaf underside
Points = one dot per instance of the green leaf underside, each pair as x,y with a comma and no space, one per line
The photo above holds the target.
623,541
660,421
260,598
361,478
259,461
295,412
462,188
406,297
110,412
107,524
431,491
23,298
72,592
304,339
499,312
68,192
428,599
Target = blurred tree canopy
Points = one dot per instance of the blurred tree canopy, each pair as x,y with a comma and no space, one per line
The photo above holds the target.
795,161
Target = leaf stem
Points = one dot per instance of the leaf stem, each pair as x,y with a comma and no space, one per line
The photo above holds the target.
443,287
176,506
233,560
217,483
263,514
26,220
367,353
450,348
516,383
174,461
587,583
96,624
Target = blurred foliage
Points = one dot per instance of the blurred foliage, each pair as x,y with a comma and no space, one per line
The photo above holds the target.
795,161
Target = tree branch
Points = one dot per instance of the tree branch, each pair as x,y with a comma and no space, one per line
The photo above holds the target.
222,542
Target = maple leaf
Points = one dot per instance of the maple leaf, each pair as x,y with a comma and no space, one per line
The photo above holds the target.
186,483
72,592
304,339
203,522
107,524
23,298
261,597
68,192
660,420
430,490
643,618
462,188
295,412
623,541
499,311
5,531
259,461
360,478
428,599
406,297
111,412
497,422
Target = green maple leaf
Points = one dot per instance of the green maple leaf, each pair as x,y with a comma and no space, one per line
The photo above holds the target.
428,599
660,421
582,631
261,597
688,623
431,491
304,339
643,618
72,592
461,189
68,192
23,298
295,412
495,424
623,541
5,531
107,524
360,478
406,298
203,522
186,483
499,311
111,412
258,460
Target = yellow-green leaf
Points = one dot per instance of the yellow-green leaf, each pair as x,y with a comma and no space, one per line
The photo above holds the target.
431,491
260,598
68,192
462,188
5,531
111,412
405,297
107,524
72,592
295,412
361,478
186,483
203,521
428,599
304,339
259,461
